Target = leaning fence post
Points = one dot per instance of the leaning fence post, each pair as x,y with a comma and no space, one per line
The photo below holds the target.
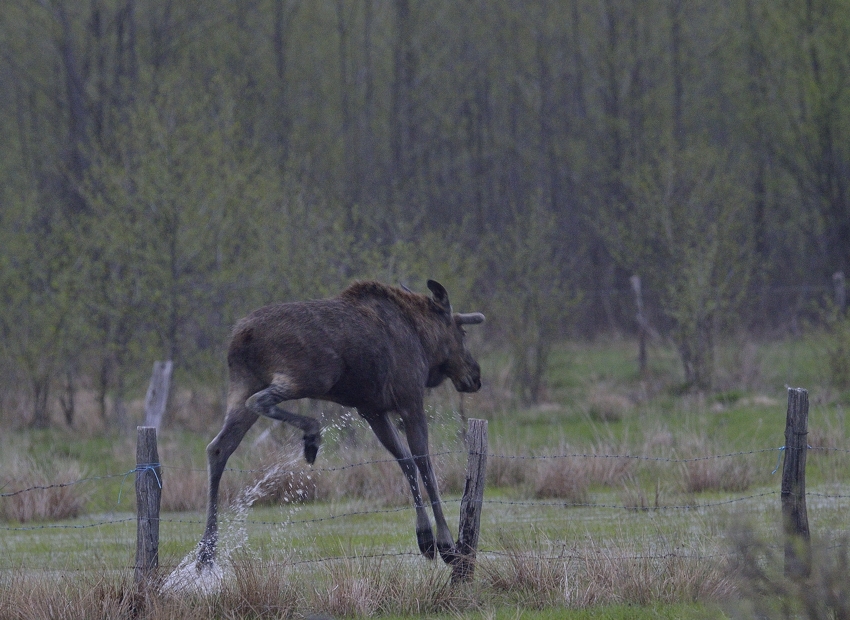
157,394
794,516
148,495
470,505
642,324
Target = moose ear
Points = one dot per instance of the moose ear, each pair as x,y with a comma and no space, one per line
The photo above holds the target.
441,297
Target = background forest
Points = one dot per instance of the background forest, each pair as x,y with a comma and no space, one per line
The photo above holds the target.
167,166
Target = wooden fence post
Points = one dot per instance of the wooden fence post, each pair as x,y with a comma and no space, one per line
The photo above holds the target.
794,516
642,325
470,505
157,394
838,284
148,495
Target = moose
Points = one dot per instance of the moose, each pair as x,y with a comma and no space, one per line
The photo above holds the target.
375,348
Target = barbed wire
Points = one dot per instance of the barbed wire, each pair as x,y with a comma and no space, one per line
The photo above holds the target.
829,449
65,526
394,510
60,485
634,457
573,555
516,457
503,502
631,507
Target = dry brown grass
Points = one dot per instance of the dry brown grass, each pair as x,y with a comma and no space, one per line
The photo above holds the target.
369,473
24,596
279,475
565,474
506,467
562,478
625,573
42,491
184,489
714,474
540,574
352,587
706,472
523,574
606,406
635,497
366,587
526,574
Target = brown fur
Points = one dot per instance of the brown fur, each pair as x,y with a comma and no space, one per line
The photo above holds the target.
373,347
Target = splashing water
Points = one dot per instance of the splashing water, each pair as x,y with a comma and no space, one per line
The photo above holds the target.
187,578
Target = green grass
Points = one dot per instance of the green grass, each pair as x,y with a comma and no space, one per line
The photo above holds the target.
595,401
606,612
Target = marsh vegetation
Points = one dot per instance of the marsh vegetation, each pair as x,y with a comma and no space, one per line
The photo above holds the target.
619,490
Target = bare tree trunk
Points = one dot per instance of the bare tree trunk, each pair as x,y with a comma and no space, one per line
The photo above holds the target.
675,10
68,398
102,388
402,94
40,393
284,10
366,142
350,174
75,92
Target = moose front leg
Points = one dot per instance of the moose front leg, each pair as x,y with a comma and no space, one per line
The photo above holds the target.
387,435
417,437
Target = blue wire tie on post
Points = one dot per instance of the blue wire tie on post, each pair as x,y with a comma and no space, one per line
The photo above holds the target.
778,460
140,468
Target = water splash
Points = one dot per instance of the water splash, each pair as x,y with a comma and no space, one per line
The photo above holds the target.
188,578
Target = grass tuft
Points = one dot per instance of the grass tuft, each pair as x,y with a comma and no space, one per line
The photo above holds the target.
41,491
605,406
626,573
563,478
707,473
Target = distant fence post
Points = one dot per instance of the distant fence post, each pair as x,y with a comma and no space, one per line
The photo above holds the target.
794,516
157,394
642,326
148,496
839,285
470,505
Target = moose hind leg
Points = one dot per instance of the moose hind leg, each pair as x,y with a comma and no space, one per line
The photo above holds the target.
237,422
265,403
312,430
387,435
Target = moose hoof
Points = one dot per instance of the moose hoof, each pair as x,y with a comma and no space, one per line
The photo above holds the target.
311,447
206,555
426,544
449,554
